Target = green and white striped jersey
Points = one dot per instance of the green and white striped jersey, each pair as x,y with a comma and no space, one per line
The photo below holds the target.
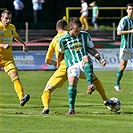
75,47
126,39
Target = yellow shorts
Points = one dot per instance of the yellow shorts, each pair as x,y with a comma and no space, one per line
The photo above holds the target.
9,66
58,78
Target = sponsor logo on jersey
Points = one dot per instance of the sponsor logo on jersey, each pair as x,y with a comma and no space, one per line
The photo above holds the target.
76,46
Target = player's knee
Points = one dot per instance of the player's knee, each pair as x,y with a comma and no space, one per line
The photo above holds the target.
49,88
86,58
95,79
10,69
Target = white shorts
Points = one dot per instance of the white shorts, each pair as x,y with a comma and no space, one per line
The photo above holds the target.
126,54
75,70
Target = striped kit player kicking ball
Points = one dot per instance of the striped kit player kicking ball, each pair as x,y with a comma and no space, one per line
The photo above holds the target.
75,47
60,75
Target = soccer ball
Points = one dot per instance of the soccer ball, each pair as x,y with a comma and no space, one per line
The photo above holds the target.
116,107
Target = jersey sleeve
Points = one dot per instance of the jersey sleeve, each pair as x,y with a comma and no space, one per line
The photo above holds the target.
89,42
121,25
51,50
15,34
61,47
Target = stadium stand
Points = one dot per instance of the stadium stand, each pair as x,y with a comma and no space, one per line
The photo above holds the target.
40,39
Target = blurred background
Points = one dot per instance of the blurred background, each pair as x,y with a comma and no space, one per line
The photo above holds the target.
54,10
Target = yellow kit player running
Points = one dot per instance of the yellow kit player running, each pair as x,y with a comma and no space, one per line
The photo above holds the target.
60,75
7,33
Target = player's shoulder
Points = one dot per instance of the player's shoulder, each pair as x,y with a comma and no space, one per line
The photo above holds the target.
60,34
64,36
11,26
96,7
125,18
84,33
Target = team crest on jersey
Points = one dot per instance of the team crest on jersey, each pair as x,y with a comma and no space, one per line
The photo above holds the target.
2,32
76,46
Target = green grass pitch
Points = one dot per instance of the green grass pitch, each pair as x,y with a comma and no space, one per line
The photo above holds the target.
91,115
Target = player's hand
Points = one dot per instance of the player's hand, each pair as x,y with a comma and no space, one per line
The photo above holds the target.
132,30
25,49
6,46
103,62
97,56
58,64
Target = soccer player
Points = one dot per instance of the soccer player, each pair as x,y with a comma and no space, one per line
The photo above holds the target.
7,34
84,14
125,29
95,13
74,48
60,75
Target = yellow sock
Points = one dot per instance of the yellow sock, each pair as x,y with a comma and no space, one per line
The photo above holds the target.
18,87
100,89
46,98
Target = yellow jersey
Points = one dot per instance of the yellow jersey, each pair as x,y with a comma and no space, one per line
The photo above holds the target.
53,48
6,37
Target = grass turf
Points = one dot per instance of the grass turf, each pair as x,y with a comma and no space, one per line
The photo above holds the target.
91,115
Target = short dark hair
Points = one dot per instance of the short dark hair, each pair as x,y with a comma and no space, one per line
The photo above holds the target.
6,12
75,21
61,24
129,4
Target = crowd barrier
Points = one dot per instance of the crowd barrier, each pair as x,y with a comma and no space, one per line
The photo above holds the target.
35,60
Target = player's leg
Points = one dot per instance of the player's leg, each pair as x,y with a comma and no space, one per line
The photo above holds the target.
56,81
99,88
98,84
95,23
96,26
73,76
124,56
82,22
11,70
86,23
88,70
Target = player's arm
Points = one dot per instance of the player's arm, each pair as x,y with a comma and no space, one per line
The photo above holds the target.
93,51
59,59
5,46
122,32
97,14
50,53
96,54
61,51
18,39
92,4
121,28
51,62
